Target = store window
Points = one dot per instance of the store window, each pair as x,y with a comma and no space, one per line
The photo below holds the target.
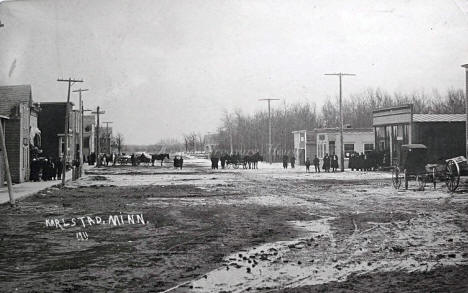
348,149
368,147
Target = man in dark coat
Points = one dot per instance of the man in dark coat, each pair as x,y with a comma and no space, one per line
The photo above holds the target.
176,162
285,161
334,162
360,165
316,162
59,169
352,161
326,163
293,161
223,161
307,164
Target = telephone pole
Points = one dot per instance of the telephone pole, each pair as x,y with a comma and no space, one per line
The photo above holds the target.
269,126
98,112
79,91
67,127
108,134
466,108
340,75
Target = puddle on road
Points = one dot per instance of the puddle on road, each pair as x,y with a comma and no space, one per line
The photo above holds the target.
264,266
318,258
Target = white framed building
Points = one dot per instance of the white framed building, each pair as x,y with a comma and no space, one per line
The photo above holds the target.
321,141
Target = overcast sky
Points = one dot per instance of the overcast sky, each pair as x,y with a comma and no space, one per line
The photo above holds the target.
164,68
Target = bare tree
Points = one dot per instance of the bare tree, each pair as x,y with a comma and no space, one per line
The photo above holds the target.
118,142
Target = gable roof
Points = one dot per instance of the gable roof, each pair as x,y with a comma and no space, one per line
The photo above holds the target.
439,117
13,95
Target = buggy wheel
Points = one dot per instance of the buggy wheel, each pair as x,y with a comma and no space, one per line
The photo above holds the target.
396,177
420,179
452,175
236,166
228,166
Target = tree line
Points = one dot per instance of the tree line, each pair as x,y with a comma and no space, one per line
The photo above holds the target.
249,132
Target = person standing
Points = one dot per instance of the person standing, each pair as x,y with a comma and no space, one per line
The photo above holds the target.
316,164
293,161
181,162
351,161
326,163
223,161
334,162
307,164
361,162
285,161
59,169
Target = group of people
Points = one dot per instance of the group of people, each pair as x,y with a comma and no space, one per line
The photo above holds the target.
316,163
329,162
362,162
287,159
46,169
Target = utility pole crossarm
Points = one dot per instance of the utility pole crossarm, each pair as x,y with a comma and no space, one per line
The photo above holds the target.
81,129
67,110
98,112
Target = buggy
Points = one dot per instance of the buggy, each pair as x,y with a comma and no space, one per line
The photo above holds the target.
413,165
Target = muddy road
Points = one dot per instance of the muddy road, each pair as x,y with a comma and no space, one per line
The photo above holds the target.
158,229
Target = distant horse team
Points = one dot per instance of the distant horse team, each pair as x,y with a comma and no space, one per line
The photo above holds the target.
235,160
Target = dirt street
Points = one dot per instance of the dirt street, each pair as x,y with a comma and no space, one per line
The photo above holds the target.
158,229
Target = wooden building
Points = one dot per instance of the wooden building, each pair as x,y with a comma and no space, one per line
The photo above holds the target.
321,141
443,134
52,122
18,116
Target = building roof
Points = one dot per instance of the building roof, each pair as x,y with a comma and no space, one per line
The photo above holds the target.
394,108
13,95
335,130
439,117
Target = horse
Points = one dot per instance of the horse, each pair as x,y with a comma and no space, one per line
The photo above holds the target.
254,160
246,162
159,157
144,158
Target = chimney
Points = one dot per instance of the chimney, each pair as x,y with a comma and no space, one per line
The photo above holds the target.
466,108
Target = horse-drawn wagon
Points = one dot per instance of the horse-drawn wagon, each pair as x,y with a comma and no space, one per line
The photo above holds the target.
412,165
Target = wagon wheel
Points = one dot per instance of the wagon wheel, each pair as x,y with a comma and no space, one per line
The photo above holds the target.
452,175
396,177
236,166
421,180
228,165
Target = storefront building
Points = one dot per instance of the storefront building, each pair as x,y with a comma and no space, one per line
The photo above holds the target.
443,134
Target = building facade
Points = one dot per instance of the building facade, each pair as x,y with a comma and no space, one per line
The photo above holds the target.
19,120
89,135
322,141
442,134
52,122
